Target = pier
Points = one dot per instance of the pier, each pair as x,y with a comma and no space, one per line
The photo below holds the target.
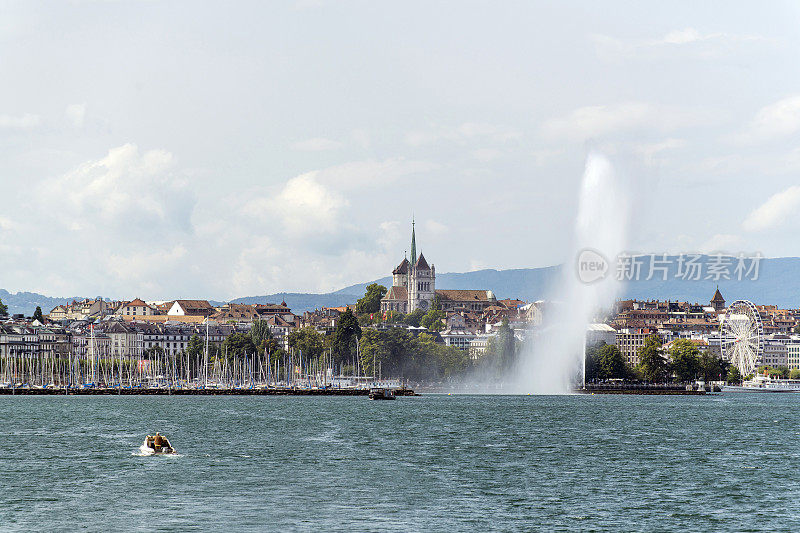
642,388
134,391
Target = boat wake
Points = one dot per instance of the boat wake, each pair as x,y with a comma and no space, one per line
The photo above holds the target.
144,451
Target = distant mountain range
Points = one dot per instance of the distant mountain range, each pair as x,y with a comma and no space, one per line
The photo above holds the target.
778,283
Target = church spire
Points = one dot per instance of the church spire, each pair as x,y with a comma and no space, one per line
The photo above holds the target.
413,245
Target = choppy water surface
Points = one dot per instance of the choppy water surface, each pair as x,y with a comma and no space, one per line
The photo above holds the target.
437,463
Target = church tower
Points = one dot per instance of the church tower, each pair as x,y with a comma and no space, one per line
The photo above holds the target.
421,278
718,302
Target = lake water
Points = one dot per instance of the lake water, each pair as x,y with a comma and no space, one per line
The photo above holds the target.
436,463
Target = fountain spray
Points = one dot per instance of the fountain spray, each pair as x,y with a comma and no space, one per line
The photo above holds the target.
554,356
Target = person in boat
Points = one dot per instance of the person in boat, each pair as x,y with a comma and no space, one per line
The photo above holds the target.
158,442
149,440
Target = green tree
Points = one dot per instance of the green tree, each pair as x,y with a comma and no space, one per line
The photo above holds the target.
238,345
195,352
501,352
652,364
3,309
414,317
734,376
395,317
593,361
611,363
389,350
794,373
260,334
154,352
712,368
685,359
195,348
38,314
308,341
371,301
780,372
433,320
398,353
345,336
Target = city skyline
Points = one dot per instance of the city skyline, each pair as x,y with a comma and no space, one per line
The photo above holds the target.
167,150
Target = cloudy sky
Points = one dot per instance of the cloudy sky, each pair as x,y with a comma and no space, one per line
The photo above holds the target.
187,149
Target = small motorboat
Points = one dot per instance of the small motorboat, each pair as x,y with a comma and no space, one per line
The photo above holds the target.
381,394
156,445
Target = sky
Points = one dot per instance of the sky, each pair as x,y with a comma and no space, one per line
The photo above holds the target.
216,150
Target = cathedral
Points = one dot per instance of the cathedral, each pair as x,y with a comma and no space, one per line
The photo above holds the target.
414,287
413,283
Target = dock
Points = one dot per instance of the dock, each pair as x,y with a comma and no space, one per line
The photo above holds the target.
134,391
641,388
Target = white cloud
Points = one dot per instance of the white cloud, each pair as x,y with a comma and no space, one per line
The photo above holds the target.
436,229
144,268
478,264
23,122
776,120
690,35
601,120
774,211
76,113
721,242
312,207
689,40
317,144
650,151
6,224
371,173
303,206
126,190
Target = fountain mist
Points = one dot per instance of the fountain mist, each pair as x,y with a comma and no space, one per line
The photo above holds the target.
553,358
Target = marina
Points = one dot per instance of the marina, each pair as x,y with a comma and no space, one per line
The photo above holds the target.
179,374
163,391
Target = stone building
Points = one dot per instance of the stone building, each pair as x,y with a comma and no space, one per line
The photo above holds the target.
413,283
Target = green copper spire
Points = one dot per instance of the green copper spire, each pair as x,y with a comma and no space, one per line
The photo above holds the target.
413,245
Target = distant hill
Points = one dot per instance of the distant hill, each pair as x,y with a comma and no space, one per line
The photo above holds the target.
778,283
26,302
299,302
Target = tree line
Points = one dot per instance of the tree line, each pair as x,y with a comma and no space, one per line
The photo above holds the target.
682,362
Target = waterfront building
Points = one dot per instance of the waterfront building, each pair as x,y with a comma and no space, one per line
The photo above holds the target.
776,352
18,340
600,333
630,340
127,341
793,355
81,340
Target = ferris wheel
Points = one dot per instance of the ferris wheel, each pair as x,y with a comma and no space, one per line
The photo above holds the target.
742,336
